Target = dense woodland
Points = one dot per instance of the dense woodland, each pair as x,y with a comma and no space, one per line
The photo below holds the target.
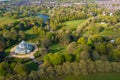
91,47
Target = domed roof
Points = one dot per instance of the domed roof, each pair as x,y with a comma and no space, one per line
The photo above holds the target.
24,48
23,44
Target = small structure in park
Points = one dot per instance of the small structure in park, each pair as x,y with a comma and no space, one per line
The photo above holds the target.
24,48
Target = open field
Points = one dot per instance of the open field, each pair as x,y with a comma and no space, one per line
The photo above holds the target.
57,48
4,21
98,76
72,24
31,36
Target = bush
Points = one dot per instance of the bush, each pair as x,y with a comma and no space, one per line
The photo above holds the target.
37,54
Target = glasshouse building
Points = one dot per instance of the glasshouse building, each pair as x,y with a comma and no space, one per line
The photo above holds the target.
24,48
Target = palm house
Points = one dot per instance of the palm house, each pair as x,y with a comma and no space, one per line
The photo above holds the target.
24,48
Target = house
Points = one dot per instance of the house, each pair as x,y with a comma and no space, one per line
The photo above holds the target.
24,48
112,5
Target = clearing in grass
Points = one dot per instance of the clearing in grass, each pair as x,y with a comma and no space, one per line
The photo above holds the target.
4,20
72,24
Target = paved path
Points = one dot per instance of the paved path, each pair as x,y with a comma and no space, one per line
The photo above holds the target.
30,55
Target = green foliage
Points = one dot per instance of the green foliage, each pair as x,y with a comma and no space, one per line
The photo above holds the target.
100,48
5,20
56,59
76,36
20,68
117,41
37,54
71,47
4,68
90,43
31,66
69,57
46,58
81,41
116,54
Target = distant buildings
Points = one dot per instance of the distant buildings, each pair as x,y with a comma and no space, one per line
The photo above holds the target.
112,5
4,0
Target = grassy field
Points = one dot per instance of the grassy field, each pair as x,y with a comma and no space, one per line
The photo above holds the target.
72,24
31,36
99,76
57,48
4,21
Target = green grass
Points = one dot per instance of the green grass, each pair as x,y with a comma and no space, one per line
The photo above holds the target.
29,31
57,48
4,20
97,76
7,51
31,36
72,24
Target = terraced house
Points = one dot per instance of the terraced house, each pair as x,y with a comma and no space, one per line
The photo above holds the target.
112,5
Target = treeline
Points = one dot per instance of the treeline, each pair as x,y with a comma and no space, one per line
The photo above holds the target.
60,1
17,12
62,14
47,72
94,46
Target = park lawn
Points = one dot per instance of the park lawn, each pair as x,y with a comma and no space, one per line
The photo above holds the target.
72,24
97,76
53,48
57,48
29,31
4,20
31,36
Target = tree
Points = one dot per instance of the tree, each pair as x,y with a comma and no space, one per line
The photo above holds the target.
116,54
2,45
99,66
45,43
83,67
101,48
46,58
22,35
84,55
117,41
77,57
34,76
108,67
69,57
20,68
91,66
4,69
90,43
56,59
81,41
71,47
95,55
